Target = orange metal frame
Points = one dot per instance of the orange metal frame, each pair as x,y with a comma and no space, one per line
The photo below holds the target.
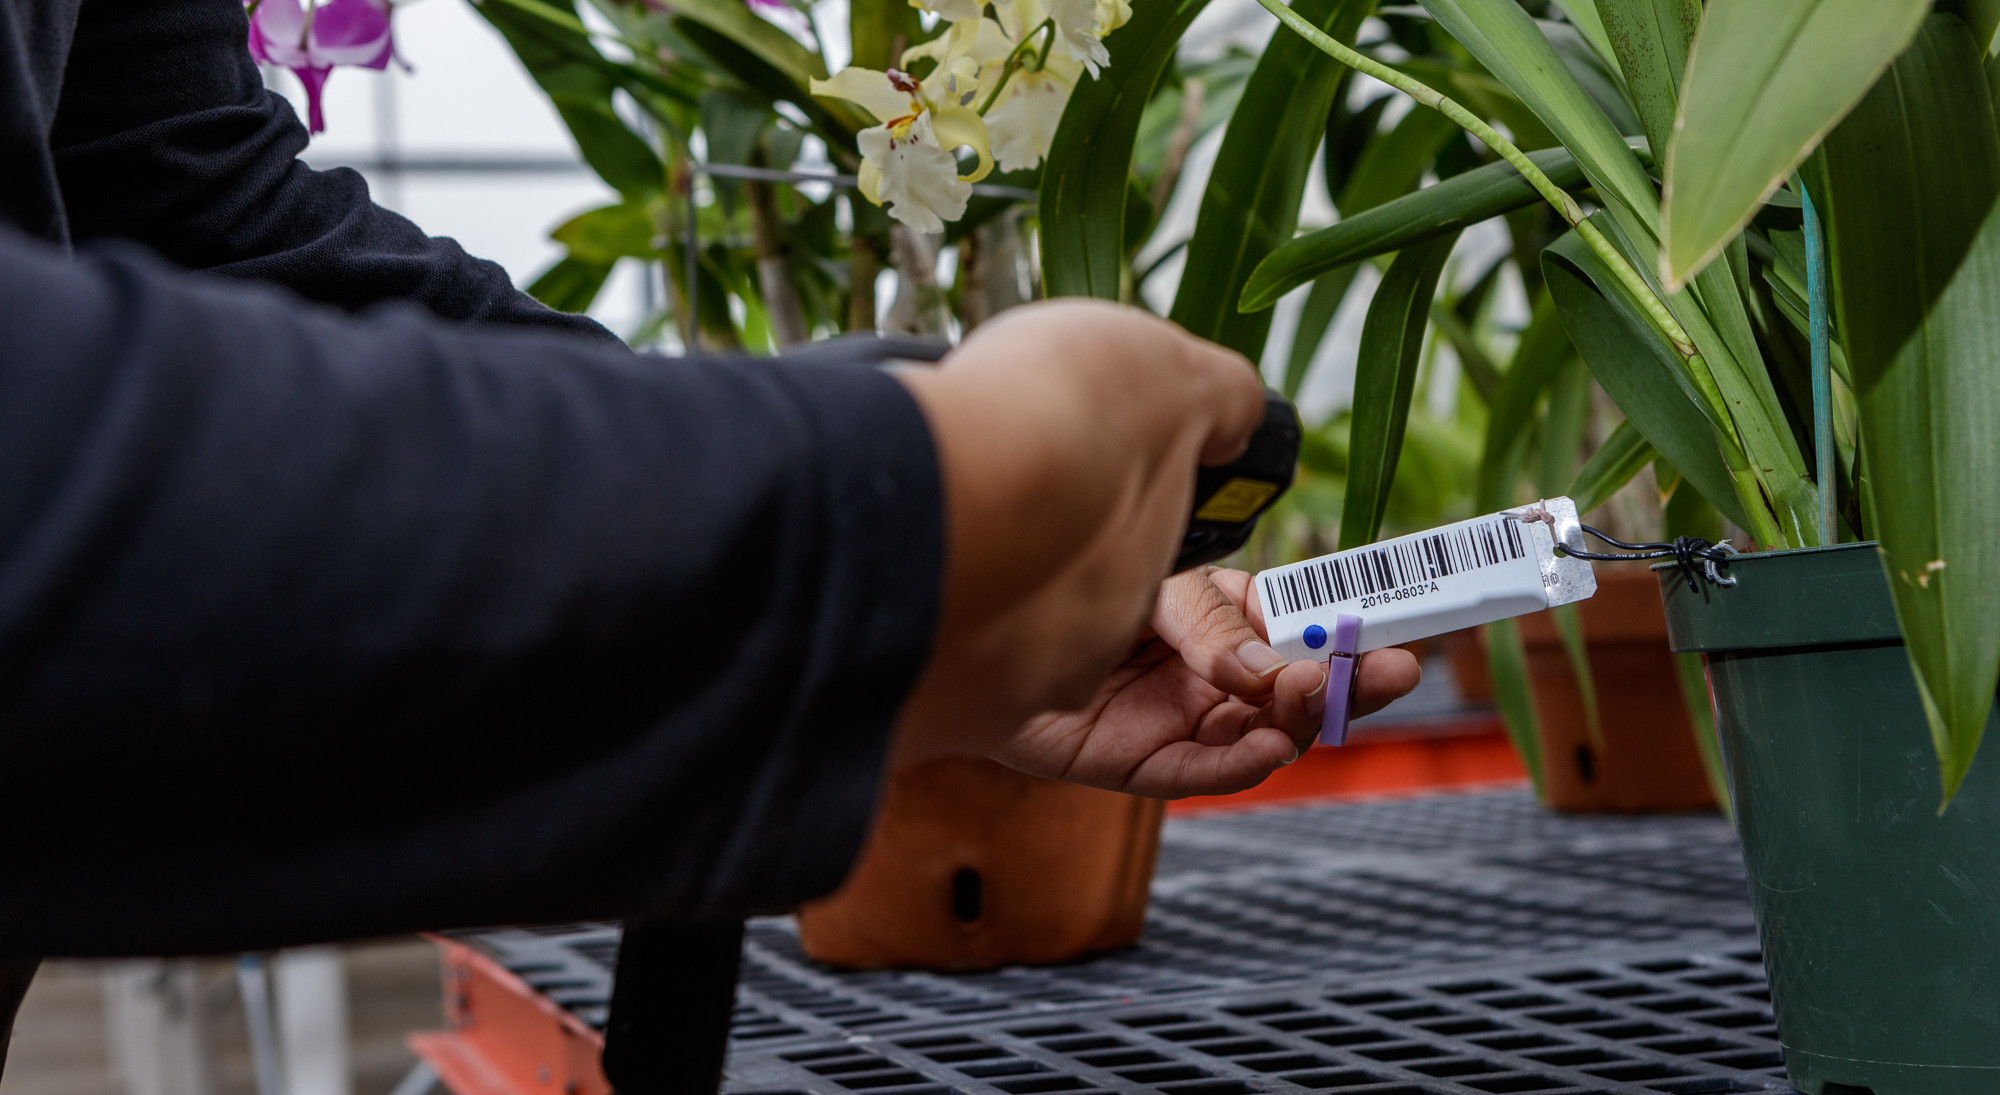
506,1039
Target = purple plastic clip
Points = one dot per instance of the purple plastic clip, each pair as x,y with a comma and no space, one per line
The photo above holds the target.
1341,668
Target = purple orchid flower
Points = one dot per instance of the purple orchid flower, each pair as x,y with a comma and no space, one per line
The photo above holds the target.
311,40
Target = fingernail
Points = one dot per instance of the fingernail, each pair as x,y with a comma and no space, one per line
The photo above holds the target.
1294,756
1316,699
1259,658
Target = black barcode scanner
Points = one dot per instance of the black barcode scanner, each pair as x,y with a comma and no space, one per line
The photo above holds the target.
675,984
1227,500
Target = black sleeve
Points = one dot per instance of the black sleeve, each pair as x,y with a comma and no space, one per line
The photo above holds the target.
166,136
315,626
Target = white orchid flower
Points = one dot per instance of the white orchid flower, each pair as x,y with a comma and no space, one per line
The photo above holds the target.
908,162
1021,95
912,175
982,42
1023,123
1082,24
952,10
1020,18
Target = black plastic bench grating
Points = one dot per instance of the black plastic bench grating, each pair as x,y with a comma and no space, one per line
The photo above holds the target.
1408,894
1671,1024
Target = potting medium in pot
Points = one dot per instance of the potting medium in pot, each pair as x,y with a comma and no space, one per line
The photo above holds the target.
1879,915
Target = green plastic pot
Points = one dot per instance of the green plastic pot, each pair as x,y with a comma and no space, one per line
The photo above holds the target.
1879,916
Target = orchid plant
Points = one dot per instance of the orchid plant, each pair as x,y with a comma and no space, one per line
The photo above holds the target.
1651,166
1763,225
699,114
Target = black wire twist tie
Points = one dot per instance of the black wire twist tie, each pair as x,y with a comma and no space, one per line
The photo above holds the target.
1697,558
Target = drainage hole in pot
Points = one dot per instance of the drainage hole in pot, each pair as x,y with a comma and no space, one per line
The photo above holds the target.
1586,764
1832,1088
966,895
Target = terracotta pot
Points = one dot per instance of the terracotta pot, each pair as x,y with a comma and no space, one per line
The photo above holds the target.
973,865
1466,651
1649,761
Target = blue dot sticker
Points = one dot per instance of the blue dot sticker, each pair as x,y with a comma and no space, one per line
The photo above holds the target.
1315,636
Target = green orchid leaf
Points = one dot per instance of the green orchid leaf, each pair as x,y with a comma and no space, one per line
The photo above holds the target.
1568,621
1477,195
1251,202
1322,304
553,46
875,27
1599,78
620,157
1982,16
1638,370
1385,376
1393,163
727,57
1479,369
612,232
1615,463
1564,423
1366,171
1774,490
1714,313
1514,695
1767,79
1693,680
1912,189
1538,359
572,284
1084,176
739,23
1348,134
1650,40
1563,426
1483,95
732,123
1686,512
1503,37
1584,16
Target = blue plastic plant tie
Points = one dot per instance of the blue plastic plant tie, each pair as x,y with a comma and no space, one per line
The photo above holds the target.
1822,366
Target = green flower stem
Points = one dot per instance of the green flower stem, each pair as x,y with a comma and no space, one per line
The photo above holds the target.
1006,73
560,18
1763,525
1013,63
569,22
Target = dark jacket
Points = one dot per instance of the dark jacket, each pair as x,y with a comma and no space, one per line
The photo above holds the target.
345,590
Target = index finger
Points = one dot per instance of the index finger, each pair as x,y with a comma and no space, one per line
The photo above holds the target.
1241,590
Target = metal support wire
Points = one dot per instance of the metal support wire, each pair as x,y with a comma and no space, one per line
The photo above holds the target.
418,1081
692,312
253,983
1822,368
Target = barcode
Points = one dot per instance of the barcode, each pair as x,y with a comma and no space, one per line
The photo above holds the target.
1403,563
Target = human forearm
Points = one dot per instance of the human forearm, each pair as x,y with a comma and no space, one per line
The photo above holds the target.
311,627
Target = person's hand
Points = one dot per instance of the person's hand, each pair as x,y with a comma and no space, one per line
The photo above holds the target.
1068,434
1203,706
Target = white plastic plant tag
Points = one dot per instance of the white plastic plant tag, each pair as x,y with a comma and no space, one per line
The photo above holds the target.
1474,572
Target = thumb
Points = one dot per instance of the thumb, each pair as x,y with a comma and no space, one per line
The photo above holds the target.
1199,620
